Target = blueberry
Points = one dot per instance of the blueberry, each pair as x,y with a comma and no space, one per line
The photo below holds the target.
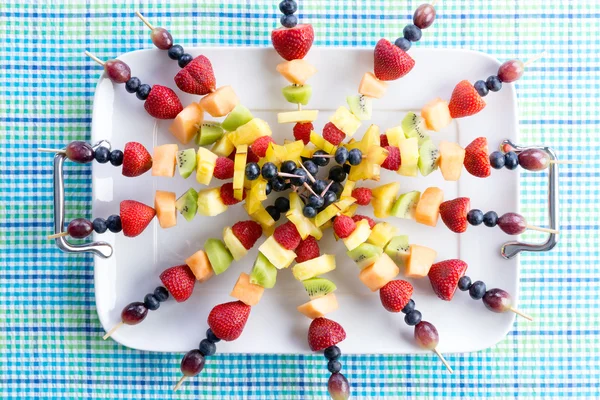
113,223
464,283
337,174
151,302
289,21
319,185
303,176
161,293
311,167
490,219
347,168
116,157
309,212
273,212
497,160
355,157
341,155
413,318
99,225
320,161
288,7
175,52
288,166
475,217
481,88
132,84
211,336
282,204
329,198
332,353
315,201
337,188
412,32
143,92
409,307
493,83
511,160
477,290
334,366
184,60
278,184
252,171
269,171
268,188
207,348
102,155
403,43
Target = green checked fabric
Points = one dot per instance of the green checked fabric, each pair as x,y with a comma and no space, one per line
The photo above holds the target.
50,337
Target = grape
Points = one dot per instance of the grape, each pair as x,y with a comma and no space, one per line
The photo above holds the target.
192,363
512,223
117,71
497,300
426,335
134,313
80,228
80,152
424,16
338,387
534,159
161,38
511,71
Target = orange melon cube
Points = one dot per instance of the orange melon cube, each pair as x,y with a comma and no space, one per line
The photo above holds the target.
320,306
220,102
451,160
296,71
436,114
247,292
370,86
381,272
419,261
164,204
428,207
186,123
164,160
200,266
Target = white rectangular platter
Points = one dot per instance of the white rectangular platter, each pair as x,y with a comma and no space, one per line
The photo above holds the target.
274,325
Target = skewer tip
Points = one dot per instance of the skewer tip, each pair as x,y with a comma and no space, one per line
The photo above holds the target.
144,20
112,330
58,235
448,367
522,314
93,57
179,383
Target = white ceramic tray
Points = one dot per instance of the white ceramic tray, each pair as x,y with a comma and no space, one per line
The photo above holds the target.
274,325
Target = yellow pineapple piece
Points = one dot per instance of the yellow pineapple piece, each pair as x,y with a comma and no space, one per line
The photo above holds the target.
294,150
236,248
351,210
220,102
263,218
321,143
210,203
409,153
223,147
360,235
381,234
371,86
239,167
395,135
205,165
304,225
307,152
297,116
348,188
276,154
249,132
278,255
315,267
345,121
296,71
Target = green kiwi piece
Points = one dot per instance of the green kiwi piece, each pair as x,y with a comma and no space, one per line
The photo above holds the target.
428,157
297,94
406,205
361,106
239,116
398,249
263,272
414,126
186,162
187,204
318,287
365,254
209,133
219,256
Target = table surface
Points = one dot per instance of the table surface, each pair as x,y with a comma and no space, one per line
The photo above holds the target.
50,337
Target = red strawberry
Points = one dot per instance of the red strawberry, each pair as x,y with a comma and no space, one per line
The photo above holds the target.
393,160
383,139
162,103
287,235
395,295
477,160
227,320
465,101
247,232
251,156
444,277
179,281
307,250
136,159
226,193
454,213
260,145
302,131
223,168
294,43
323,333
135,217
197,77
332,134
362,195
391,62
359,217
343,226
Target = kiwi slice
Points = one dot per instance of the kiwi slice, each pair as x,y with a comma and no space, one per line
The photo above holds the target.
239,116
219,256
414,126
297,94
398,249
365,254
429,156
186,162
318,287
263,272
209,133
187,204
361,106
406,205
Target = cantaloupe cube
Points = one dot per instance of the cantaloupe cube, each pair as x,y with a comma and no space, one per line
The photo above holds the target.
200,266
381,272
451,160
220,102
164,160
371,86
320,306
296,71
436,114
247,292
428,207
419,261
164,204
186,123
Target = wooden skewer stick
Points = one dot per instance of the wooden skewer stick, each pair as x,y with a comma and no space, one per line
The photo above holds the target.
534,59
434,2
113,330
57,235
144,20
521,314
183,378
326,189
323,155
312,178
286,175
448,367
537,228
93,57
299,107
44,150
306,185
578,162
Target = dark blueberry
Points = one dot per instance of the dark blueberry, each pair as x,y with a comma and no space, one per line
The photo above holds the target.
332,353
320,161
132,85
337,174
497,160
490,219
288,7
309,212
319,185
412,318
288,185
347,168
477,290
282,204
511,160
409,307
355,157
151,302
113,223
252,171
481,88
493,83
303,176
175,52
464,283
337,188
315,201
341,155
273,212
99,225
334,366
102,155
207,348
269,170
268,188
143,92
475,217
161,293
116,157
289,21
412,32
211,336
329,198
184,60
278,184
403,43
311,167
288,166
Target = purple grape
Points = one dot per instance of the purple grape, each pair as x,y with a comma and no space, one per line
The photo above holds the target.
134,313
424,16
338,387
512,223
534,159
161,38
497,300
80,228
80,152
426,335
511,71
117,71
192,363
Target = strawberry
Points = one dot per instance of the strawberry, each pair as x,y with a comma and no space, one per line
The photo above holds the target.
332,134
260,145
395,295
343,226
323,333
393,160
287,235
227,320
302,131
391,62
247,232
307,250
454,213
359,217
465,100
179,281
477,160
251,156
226,193
383,139
444,277
362,195
162,103
136,159
197,77
294,43
135,217
223,168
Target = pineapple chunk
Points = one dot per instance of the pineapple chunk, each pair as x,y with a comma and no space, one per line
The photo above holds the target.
223,147
382,208
297,116
296,71
263,218
319,307
210,203
275,153
360,235
304,225
409,153
371,86
249,132
381,234
395,135
277,255
307,152
315,267
205,165
295,202
387,191
333,209
220,102
236,248
351,210
294,150
239,167
321,143
345,121
348,188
